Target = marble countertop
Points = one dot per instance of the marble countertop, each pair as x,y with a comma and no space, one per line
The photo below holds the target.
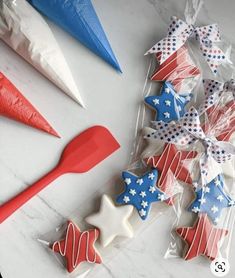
133,26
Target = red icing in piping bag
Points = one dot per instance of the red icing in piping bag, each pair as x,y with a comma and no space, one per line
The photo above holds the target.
15,106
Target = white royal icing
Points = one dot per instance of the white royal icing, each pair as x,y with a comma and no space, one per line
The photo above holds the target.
111,220
27,33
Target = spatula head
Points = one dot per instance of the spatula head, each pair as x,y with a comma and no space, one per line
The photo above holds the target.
87,149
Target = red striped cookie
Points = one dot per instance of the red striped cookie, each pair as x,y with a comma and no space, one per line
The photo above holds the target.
77,246
176,68
216,119
202,239
171,167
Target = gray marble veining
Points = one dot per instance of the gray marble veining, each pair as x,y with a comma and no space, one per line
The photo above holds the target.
133,26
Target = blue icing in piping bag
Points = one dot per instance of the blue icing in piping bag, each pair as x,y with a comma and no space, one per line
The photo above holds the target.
78,17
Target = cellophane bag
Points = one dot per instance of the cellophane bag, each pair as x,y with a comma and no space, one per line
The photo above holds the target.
209,209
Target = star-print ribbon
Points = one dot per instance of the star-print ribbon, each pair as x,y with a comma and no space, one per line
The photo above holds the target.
188,130
179,32
213,92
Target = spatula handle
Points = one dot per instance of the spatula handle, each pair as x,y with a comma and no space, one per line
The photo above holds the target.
16,202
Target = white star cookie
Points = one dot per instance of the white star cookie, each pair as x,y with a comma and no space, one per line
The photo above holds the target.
111,220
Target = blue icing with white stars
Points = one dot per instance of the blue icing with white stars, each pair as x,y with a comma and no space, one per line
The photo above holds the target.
212,199
141,192
169,105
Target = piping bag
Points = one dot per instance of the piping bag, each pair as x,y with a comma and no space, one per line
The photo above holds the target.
15,106
24,30
80,155
79,19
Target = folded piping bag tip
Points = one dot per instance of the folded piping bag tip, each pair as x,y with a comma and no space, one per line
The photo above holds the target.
117,67
79,18
22,27
73,92
54,133
15,106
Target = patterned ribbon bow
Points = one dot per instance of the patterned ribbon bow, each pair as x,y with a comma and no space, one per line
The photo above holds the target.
179,32
214,90
187,131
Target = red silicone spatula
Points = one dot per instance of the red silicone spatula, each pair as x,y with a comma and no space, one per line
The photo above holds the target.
80,155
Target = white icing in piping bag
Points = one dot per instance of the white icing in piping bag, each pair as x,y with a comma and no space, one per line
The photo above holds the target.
26,32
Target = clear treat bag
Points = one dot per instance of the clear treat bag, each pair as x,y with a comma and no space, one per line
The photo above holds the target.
204,225
203,41
104,254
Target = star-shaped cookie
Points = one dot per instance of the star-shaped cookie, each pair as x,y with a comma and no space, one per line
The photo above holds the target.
212,199
141,191
216,116
112,221
202,239
176,68
169,105
77,246
171,165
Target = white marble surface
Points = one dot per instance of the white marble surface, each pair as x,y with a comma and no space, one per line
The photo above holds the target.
112,100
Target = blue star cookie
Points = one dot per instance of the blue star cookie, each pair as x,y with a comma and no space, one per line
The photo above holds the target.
141,191
212,199
169,105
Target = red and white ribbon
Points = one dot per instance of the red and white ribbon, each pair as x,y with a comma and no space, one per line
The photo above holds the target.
187,131
179,32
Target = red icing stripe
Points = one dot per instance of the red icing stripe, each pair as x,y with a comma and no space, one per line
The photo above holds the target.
171,166
176,68
216,118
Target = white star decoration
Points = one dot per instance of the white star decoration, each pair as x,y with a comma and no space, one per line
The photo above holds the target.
167,90
112,221
195,209
156,101
214,209
126,199
168,102
142,194
161,197
128,181
152,189
167,115
140,181
202,200
142,212
132,192
151,176
220,198
144,204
